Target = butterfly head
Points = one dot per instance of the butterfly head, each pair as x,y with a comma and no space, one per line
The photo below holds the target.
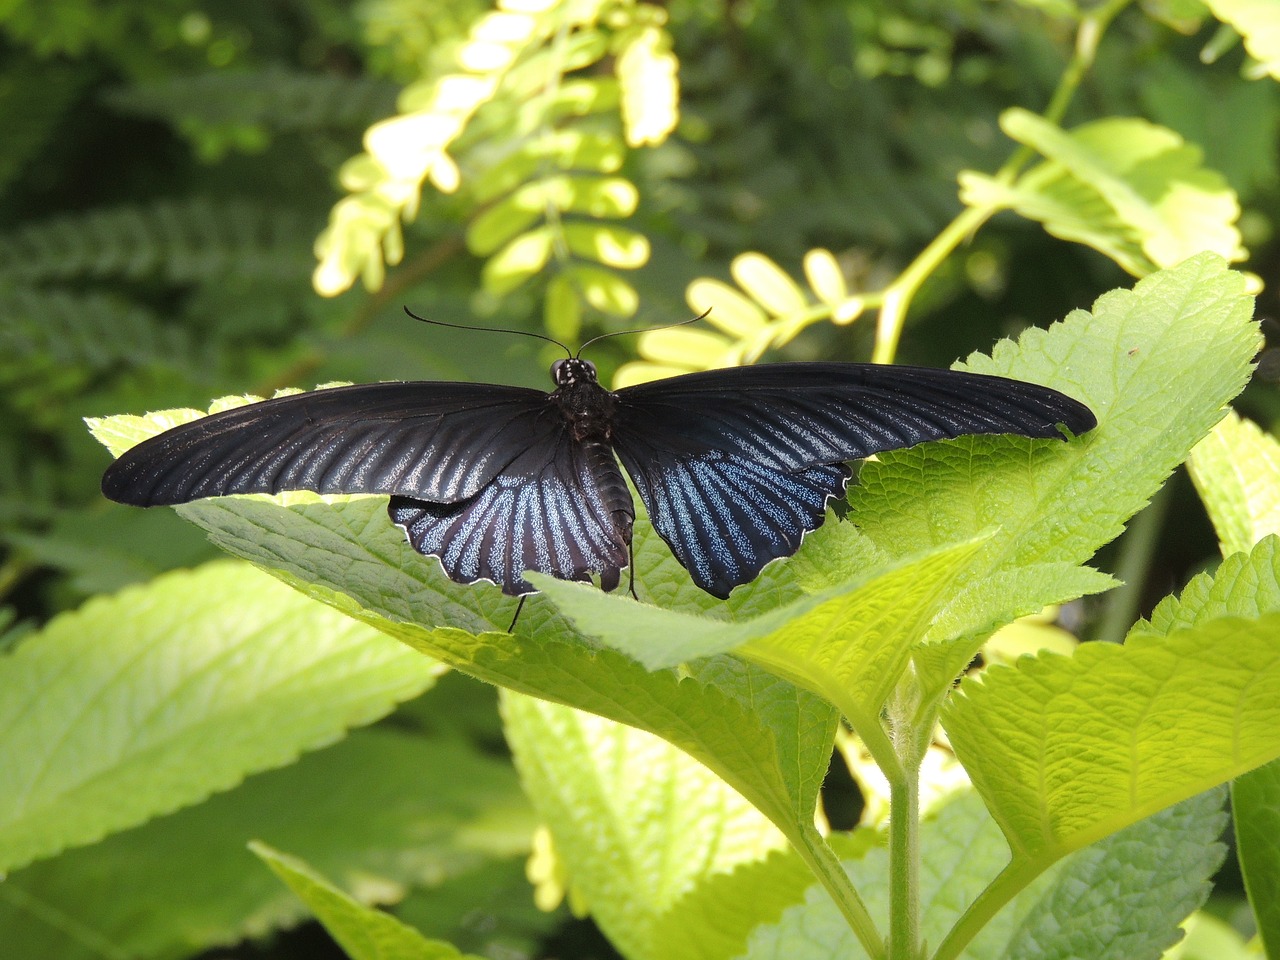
572,370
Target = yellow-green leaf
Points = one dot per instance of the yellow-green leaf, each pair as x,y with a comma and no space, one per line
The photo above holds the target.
612,246
1258,22
768,283
825,276
650,89
1236,470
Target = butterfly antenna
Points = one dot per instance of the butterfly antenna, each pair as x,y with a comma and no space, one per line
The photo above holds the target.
623,333
463,326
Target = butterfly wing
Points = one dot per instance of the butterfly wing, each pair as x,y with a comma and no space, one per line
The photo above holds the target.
561,507
736,465
435,441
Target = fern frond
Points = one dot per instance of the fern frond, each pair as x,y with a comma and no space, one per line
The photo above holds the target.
180,241
34,97
91,331
275,97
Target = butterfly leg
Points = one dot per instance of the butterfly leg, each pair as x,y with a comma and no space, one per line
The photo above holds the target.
631,569
519,607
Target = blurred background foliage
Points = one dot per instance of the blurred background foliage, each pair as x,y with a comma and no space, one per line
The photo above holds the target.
210,198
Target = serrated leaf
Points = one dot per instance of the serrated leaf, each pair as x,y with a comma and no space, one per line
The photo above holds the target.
1137,886
1236,470
638,823
768,284
1129,188
650,90
849,643
1258,22
363,932
1255,806
149,700
1157,365
381,811
1244,585
768,739
1166,717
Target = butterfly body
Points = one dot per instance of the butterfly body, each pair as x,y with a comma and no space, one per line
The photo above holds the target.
734,466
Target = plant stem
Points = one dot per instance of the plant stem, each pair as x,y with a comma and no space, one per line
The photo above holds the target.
825,865
1011,881
899,294
1132,566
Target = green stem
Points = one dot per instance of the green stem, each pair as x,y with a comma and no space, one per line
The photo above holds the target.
12,572
1011,881
825,865
904,865
899,294
1132,566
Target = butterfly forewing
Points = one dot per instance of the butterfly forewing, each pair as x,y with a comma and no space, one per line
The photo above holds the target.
736,466
434,441
795,415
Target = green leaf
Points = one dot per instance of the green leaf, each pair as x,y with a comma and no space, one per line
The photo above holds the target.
768,284
1236,470
1157,365
1059,770
1255,805
1244,585
849,644
1137,886
1258,23
603,289
519,260
730,311
638,823
364,933
649,87
825,277
765,737
381,811
612,246
180,688
1132,190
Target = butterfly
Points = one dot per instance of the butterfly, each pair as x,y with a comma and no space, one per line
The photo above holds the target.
734,466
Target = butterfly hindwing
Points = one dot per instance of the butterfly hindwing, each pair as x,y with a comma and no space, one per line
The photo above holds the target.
437,441
725,517
560,508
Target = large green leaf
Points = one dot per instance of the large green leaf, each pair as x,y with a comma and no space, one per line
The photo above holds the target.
1128,188
364,933
382,812
1236,470
1259,23
1121,899
1066,750
143,702
1255,805
637,822
1156,364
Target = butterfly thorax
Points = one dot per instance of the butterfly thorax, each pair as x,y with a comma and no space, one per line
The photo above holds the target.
588,407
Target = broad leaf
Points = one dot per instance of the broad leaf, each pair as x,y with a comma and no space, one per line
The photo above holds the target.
1067,750
1255,805
637,822
1236,470
121,710
1128,188
1119,900
381,812
364,933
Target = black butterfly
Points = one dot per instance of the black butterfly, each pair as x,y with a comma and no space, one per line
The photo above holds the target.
735,466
